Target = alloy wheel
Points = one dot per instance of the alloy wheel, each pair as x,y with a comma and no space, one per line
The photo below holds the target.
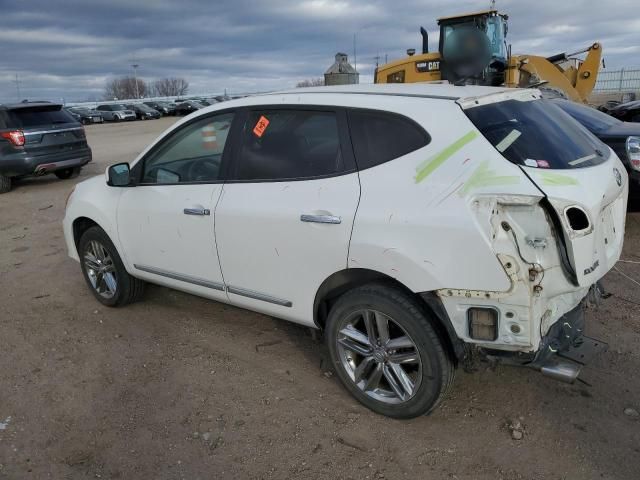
100,269
379,356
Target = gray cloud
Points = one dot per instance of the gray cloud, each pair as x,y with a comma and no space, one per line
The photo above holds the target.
70,48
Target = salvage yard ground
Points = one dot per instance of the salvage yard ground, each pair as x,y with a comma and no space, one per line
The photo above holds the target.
180,387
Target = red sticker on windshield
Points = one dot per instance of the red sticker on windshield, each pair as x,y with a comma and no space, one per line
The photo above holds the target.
261,126
543,164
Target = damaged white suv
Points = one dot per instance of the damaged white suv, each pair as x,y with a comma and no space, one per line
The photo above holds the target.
414,224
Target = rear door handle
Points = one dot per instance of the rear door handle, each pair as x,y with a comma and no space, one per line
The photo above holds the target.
321,219
197,211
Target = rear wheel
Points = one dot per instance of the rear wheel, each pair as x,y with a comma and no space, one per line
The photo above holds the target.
387,353
67,173
104,271
5,184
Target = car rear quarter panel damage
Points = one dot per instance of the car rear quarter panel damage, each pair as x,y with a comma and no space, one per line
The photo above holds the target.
458,219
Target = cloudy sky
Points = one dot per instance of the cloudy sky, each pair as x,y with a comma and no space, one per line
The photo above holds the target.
70,48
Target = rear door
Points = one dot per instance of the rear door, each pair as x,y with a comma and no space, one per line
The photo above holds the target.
48,129
284,219
582,178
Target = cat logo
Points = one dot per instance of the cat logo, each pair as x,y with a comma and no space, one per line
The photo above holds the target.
428,66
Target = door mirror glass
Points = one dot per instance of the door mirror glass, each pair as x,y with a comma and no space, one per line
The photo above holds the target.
118,175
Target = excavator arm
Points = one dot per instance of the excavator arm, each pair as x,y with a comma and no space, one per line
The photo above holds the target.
532,71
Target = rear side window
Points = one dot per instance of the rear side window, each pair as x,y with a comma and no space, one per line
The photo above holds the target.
42,116
4,119
538,134
289,144
382,136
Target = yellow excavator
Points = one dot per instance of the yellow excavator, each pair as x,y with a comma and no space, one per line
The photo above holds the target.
473,50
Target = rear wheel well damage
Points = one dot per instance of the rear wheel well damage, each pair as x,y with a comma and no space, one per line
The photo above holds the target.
81,225
345,280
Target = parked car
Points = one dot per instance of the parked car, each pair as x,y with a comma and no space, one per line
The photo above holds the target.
37,138
608,105
115,112
622,137
628,112
165,108
144,112
414,224
187,107
85,116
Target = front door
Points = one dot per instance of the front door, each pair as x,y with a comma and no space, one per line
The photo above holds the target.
284,219
166,222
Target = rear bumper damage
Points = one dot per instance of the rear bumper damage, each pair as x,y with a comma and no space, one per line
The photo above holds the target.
564,350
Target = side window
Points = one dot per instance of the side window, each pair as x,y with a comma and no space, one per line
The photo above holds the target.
289,144
381,136
396,77
191,154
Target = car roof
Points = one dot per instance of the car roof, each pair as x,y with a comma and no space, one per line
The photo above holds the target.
445,91
17,106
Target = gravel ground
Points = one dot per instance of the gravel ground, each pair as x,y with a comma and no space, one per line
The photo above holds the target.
180,387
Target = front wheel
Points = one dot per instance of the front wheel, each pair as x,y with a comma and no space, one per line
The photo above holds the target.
387,353
104,271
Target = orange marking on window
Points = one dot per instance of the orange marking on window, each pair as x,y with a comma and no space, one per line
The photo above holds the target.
261,126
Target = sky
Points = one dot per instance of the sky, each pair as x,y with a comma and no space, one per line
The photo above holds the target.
69,49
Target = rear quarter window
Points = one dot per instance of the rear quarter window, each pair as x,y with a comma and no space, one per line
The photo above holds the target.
538,134
4,120
379,137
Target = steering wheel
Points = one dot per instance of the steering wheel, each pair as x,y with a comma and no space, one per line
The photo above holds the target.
203,169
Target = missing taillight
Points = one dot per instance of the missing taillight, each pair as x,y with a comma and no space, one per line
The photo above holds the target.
577,218
16,137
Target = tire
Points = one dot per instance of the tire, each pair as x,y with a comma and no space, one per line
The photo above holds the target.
67,173
114,287
5,184
425,365
116,118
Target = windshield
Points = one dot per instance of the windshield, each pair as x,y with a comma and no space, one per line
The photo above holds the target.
537,134
119,107
591,118
496,35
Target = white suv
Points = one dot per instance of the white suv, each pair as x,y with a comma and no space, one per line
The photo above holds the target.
414,224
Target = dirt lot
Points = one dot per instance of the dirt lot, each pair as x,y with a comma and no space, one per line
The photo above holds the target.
179,387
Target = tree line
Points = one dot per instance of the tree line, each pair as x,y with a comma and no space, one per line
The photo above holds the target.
130,87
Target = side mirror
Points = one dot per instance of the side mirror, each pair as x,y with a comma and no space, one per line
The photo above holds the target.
119,175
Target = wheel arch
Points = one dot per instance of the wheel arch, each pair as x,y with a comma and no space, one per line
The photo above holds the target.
344,280
81,225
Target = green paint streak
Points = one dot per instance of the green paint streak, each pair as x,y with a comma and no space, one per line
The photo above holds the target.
427,167
483,176
555,179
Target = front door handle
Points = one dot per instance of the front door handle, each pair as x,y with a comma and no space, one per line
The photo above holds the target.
197,211
332,219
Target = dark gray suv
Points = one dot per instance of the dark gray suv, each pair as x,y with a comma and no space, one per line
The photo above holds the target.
37,138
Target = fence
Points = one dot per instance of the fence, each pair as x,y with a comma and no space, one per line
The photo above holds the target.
623,80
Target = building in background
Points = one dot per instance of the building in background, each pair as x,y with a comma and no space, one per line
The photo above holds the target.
341,72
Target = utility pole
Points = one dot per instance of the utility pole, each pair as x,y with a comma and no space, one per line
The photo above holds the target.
355,54
18,86
135,77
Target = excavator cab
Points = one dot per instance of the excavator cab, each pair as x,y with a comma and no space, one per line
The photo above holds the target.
473,48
